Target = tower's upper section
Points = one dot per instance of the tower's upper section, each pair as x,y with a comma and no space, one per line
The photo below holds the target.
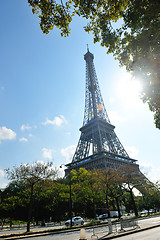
89,56
94,105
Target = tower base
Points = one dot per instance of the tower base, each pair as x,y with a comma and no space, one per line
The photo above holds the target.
103,160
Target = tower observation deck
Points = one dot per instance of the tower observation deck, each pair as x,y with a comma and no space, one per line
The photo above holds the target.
98,146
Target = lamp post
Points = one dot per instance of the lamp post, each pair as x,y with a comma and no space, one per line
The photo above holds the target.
70,198
107,204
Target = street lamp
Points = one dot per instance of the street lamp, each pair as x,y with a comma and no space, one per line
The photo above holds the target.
70,197
107,205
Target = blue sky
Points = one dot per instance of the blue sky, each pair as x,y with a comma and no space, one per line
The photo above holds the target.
42,95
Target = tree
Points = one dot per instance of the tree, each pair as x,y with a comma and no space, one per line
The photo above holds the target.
150,198
86,194
14,201
111,183
128,29
132,178
50,200
116,192
29,175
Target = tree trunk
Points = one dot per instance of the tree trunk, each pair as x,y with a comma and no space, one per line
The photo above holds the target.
30,209
118,208
134,204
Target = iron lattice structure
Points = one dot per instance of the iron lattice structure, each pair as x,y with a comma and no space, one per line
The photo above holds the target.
98,146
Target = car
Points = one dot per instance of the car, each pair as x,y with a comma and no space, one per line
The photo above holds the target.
144,212
75,221
151,211
103,217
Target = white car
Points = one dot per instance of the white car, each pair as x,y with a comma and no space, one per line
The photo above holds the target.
103,217
151,211
75,221
144,212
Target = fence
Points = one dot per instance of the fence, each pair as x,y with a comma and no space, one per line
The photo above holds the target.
130,223
115,228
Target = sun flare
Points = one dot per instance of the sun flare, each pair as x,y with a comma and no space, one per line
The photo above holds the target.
129,89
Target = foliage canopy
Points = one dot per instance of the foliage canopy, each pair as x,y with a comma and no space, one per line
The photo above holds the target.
92,193
29,175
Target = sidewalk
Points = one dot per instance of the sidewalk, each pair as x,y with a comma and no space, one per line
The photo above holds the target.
142,225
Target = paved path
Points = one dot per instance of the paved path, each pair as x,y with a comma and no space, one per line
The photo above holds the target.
23,228
143,224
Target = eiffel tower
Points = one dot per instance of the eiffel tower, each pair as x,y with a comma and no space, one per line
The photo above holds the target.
98,146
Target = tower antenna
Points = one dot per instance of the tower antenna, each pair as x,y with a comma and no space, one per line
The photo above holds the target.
87,48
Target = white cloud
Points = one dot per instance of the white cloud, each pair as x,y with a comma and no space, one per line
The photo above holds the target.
3,180
132,151
25,127
47,153
57,121
68,152
23,139
1,173
150,171
7,134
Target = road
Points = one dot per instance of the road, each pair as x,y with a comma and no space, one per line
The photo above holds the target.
151,234
101,231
